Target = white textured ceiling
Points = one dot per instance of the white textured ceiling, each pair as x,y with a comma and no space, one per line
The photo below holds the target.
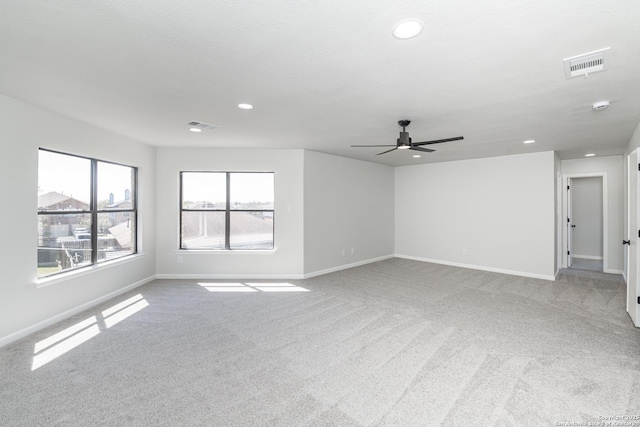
324,75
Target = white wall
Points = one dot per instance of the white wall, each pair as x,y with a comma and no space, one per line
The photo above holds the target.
23,129
613,167
287,258
586,200
348,204
494,214
634,142
558,212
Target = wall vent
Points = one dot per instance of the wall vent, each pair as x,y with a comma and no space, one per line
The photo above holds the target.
201,125
585,64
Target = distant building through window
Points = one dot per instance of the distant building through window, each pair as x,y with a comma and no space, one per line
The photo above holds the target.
86,211
226,210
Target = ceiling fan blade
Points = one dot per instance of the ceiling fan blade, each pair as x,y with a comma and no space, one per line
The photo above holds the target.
387,151
438,141
388,145
424,150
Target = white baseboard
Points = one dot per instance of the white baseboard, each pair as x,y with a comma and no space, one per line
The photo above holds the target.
611,271
346,266
66,314
596,258
214,276
481,268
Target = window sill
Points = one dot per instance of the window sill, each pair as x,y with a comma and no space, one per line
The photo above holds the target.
62,277
224,252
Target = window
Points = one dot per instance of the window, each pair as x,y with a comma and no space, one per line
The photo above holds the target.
86,211
226,210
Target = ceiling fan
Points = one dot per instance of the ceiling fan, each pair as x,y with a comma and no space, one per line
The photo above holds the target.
404,142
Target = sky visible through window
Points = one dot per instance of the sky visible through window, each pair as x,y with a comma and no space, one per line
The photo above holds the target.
211,187
69,175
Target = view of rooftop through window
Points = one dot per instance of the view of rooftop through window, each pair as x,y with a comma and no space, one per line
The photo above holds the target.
74,230
214,218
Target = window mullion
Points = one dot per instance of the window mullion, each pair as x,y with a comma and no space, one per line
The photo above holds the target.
181,211
134,197
227,222
93,206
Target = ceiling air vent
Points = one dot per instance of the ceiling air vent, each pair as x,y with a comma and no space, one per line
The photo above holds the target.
201,125
588,63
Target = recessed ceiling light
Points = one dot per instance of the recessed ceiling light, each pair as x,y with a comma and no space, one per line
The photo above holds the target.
589,155
195,129
245,106
407,29
529,141
403,147
415,156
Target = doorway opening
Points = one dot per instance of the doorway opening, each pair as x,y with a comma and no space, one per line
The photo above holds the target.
585,234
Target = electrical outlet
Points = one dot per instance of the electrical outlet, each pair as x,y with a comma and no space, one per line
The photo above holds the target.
179,260
353,251
344,252
464,251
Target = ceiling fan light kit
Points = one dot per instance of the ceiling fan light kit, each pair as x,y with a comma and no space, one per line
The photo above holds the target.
404,142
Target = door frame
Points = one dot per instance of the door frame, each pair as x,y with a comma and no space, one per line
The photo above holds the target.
605,217
631,252
568,225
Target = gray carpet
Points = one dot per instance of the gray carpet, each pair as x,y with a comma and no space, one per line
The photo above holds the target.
394,343
586,264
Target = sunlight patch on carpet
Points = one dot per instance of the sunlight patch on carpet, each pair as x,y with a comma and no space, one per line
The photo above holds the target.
64,341
121,311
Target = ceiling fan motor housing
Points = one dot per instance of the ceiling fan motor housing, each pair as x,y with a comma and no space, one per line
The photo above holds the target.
404,139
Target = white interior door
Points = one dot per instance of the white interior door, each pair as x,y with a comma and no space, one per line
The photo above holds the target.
632,252
570,226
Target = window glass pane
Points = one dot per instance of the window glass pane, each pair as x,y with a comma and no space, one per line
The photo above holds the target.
116,235
203,230
64,182
204,190
251,191
64,242
115,186
251,230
